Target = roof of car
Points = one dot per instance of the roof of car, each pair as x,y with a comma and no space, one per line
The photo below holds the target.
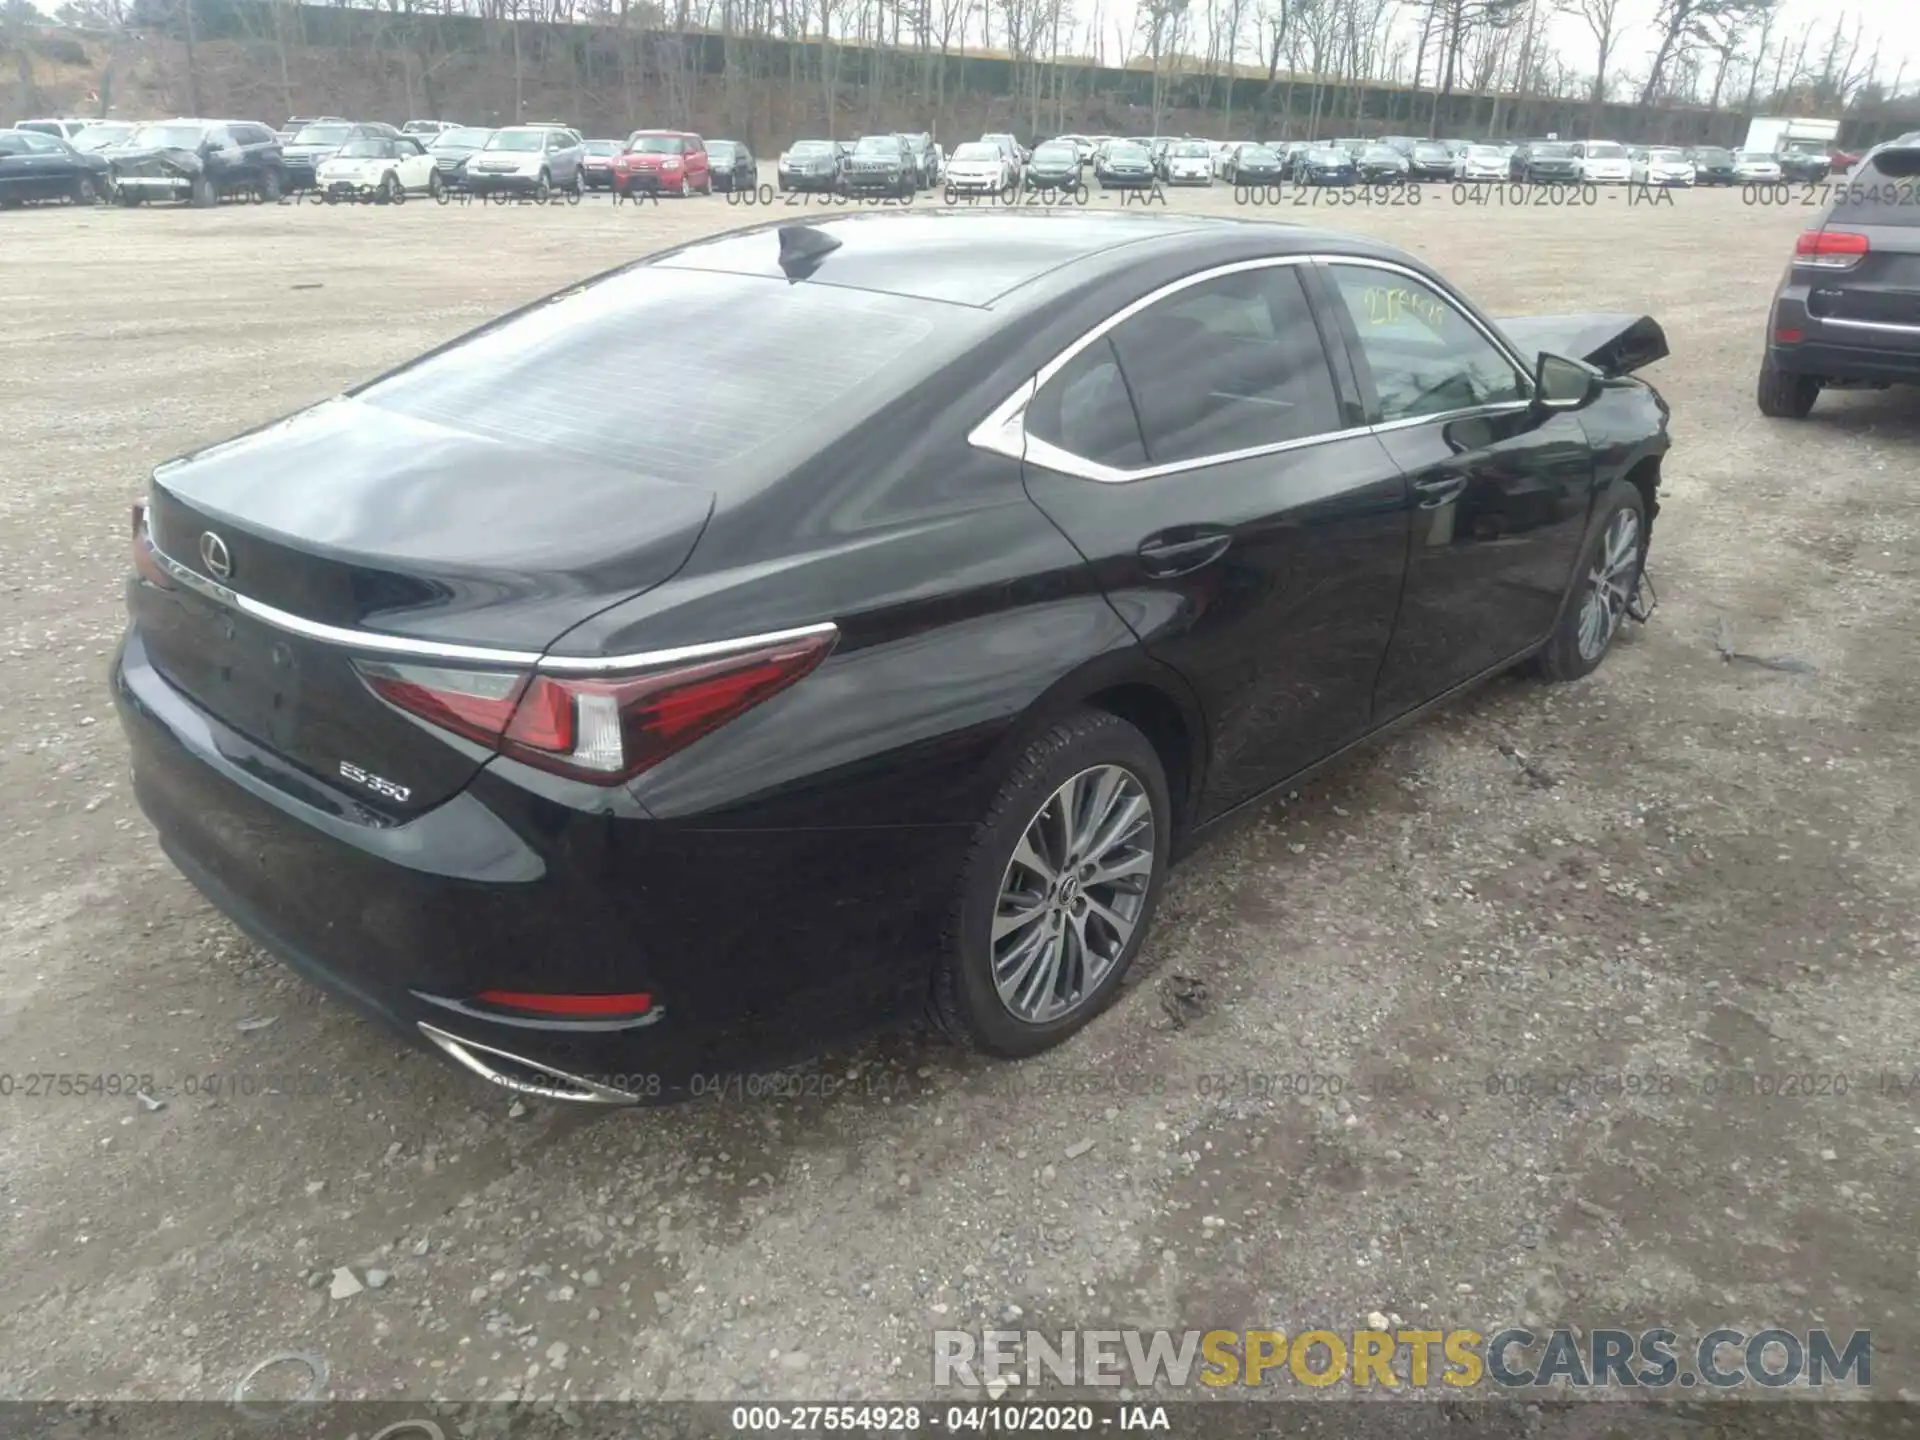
975,258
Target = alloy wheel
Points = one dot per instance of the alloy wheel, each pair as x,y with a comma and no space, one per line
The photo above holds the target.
1610,584
1073,893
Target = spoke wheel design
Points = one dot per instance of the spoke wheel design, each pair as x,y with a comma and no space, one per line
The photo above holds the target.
1073,893
1610,585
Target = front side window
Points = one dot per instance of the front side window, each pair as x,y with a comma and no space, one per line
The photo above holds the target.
1427,358
1232,363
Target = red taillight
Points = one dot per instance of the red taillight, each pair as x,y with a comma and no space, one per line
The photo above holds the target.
573,1006
1788,335
603,729
144,565
1829,249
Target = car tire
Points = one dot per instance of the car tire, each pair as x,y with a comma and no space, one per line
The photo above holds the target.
271,188
1076,757
203,195
85,192
686,187
391,191
543,188
1784,395
1604,583
436,187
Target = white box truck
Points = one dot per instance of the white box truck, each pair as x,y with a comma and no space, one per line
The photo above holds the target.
1779,135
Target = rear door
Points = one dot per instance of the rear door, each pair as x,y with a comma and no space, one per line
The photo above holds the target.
1210,462
1501,489
1876,302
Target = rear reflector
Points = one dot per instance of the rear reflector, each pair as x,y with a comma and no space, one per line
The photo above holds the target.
144,565
577,1006
605,729
1829,249
1787,335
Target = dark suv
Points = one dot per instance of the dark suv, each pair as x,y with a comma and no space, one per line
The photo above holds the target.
1847,313
198,161
882,165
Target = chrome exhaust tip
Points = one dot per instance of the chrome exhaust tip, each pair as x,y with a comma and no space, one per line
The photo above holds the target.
527,1077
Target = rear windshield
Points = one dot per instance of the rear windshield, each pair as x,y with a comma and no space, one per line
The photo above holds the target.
568,373
1884,191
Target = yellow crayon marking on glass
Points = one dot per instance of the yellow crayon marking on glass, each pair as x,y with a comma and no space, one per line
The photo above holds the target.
1386,304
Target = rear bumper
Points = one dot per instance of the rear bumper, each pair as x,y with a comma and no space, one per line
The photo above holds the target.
502,888
1850,362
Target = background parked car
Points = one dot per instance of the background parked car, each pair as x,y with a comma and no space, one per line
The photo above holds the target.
1603,162
980,168
1711,165
1544,162
62,129
37,166
1125,166
809,165
1055,166
1430,161
1804,166
1256,165
881,165
1323,165
198,161
672,162
732,165
596,166
1189,162
296,123
926,157
427,129
533,159
313,143
1661,165
385,167
1008,146
1755,167
104,134
1381,163
451,150
1481,164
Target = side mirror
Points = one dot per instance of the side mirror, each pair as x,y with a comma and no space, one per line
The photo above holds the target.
1563,384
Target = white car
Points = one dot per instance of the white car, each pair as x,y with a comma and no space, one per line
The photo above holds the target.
980,168
1662,166
1603,162
387,167
1752,167
1189,162
1481,163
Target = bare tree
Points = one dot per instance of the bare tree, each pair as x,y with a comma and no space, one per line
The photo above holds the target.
1602,18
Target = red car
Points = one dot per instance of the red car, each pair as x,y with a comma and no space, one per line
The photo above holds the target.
663,160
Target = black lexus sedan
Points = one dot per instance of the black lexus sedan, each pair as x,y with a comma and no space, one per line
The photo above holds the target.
601,765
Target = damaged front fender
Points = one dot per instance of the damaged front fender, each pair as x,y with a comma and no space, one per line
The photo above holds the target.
181,164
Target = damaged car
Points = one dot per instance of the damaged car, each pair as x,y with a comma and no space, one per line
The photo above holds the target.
200,162
1098,531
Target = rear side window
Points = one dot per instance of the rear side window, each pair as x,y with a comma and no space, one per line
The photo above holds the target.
1233,363
1884,191
604,371
1086,411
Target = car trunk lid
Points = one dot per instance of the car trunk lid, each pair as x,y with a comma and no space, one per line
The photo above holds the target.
350,532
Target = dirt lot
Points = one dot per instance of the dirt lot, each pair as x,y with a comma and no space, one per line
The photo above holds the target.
1692,872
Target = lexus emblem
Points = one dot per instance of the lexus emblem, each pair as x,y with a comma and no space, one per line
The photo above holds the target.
213,554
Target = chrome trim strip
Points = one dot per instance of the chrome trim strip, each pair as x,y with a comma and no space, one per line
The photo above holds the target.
680,655
1504,407
467,1054
381,644
1884,327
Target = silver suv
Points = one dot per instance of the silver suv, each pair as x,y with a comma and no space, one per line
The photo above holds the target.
534,159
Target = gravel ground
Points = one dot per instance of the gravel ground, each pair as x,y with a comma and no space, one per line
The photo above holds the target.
1692,871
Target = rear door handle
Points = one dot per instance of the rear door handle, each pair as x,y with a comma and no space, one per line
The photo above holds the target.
1438,490
1182,551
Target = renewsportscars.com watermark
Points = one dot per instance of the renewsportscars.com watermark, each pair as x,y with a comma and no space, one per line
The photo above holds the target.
1510,1359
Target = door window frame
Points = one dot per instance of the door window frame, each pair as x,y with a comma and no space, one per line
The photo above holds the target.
1363,370
1003,431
